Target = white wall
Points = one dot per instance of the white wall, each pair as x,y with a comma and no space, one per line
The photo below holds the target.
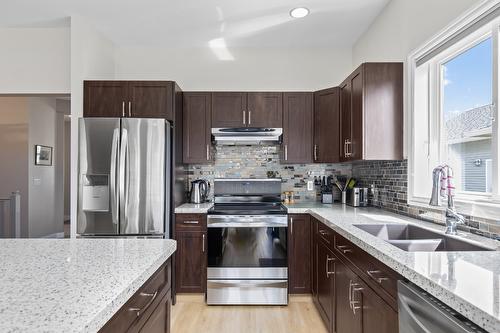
252,69
403,26
14,151
46,197
92,58
34,60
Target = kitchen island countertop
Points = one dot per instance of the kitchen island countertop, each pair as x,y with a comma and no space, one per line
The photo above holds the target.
72,285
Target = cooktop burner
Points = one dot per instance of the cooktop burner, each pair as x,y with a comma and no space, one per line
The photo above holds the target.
248,209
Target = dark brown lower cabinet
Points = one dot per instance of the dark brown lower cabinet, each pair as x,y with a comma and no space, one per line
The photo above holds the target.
346,301
326,285
190,262
299,254
159,321
148,310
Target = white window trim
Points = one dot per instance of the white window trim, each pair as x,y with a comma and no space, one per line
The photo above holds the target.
485,205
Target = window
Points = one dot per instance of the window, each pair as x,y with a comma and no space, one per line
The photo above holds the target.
453,93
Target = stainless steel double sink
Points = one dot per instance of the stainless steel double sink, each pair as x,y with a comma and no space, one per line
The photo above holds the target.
412,238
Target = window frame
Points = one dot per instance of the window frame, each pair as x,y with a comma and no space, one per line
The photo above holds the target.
485,205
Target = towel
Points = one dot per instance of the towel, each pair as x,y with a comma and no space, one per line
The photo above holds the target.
447,187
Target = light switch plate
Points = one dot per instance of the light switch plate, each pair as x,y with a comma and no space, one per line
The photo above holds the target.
310,185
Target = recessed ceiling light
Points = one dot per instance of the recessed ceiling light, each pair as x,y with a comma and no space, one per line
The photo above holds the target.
299,12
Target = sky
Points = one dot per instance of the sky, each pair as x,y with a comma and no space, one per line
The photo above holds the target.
468,79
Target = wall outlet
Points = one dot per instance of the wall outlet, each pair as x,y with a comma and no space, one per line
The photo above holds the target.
310,185
37,181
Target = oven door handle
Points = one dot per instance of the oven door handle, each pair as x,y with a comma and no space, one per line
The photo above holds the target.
248,283
247,225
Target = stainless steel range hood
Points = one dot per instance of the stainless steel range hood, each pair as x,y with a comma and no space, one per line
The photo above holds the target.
247,135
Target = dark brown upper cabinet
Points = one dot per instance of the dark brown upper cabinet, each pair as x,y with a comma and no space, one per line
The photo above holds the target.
372,113
105,98
132,99
240,109
229,109
297,127
196,128
265,109
150,99
326,147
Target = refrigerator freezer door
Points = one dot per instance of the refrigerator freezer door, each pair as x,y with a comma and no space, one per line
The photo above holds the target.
97,195
142,176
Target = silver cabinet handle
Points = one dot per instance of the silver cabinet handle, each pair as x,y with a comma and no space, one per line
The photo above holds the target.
378,279
355,306
286,152
139,311
249,117
203,243
315,152
208,152
328,259
190,222
129,108
344,249
323,232
291,226
123,109
244,118
345,148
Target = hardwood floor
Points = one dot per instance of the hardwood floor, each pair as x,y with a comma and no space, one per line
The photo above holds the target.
192,315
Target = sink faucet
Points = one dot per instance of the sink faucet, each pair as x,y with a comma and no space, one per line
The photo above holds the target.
442,187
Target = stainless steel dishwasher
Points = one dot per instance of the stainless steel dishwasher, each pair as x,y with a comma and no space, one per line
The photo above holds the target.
420,312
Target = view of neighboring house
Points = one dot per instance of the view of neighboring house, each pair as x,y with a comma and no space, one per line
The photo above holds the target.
468,136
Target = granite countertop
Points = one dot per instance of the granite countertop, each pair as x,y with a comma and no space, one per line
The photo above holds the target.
189,208
72,285
469,282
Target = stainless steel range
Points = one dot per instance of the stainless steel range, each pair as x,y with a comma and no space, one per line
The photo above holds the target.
247,243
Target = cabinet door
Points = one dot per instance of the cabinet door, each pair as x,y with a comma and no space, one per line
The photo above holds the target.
229,109
348,320
159,321
326,126
265,109
377,315
197,126
356,143
191,262
150,99
314,259
299,254
104,99
297,128
345,119
326,285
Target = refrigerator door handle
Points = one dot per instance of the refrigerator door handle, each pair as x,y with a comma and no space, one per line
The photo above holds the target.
122,180
113,175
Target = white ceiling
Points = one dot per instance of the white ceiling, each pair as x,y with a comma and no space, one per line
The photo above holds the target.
194,23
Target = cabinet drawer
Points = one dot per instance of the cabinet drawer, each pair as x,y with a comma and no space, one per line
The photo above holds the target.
142,303
325,235
190,222
373,271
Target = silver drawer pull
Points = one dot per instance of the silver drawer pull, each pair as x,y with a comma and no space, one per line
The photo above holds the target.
344,249
139,311
190,222
378,279
323,232
328,259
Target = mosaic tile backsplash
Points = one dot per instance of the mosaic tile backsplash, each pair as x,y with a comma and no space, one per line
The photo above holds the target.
390,180
257,161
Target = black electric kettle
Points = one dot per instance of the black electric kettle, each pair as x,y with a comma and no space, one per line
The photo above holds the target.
200,189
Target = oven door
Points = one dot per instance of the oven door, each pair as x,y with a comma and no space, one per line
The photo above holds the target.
247,247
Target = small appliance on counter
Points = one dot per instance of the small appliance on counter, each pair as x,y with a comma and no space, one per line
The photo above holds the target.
357,196
200,189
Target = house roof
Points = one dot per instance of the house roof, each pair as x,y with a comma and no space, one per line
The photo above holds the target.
467,123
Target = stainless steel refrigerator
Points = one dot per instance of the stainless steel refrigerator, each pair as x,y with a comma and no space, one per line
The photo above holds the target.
124,177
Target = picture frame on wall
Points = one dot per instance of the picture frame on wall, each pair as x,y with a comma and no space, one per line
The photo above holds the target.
43,155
